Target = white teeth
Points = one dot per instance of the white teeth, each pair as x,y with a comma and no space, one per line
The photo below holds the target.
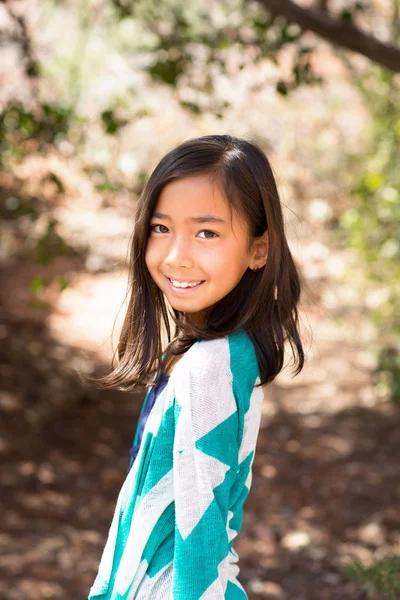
184,284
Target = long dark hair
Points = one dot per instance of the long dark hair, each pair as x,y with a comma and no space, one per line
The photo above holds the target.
264,303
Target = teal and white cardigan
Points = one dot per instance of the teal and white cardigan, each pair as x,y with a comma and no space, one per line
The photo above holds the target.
181,505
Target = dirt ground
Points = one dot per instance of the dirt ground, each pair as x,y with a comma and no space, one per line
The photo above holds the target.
325,486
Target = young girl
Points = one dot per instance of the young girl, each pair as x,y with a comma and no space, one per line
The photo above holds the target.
208,242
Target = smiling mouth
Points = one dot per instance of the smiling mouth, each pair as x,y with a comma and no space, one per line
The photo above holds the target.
187,288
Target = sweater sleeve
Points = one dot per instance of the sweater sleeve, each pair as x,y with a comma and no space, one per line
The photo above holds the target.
205,465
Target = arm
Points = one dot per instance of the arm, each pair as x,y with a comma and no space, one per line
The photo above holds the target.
205,464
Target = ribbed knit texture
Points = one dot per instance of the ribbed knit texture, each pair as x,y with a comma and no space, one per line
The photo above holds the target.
181,505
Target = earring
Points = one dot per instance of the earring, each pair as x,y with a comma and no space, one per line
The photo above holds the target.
256,269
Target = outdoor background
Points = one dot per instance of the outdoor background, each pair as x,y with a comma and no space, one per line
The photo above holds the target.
92,95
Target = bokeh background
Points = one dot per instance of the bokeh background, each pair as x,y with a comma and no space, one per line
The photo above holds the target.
92,94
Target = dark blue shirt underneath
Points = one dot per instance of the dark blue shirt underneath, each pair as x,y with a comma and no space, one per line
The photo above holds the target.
151,398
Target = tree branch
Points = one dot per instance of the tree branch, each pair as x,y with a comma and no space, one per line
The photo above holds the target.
340,33
24,41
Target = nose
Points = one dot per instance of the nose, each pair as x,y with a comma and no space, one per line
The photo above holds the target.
179,253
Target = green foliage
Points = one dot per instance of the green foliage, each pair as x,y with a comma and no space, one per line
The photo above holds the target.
141,180
56,180
167,70
372,224
347,14
111,121
38,284
14,207
41,126
43,123
51,244
190,43
389,368
302,72
101,179
381,577
182,32
123,8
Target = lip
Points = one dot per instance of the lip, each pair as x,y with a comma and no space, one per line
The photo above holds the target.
183,290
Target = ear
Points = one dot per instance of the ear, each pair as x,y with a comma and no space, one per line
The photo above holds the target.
260,250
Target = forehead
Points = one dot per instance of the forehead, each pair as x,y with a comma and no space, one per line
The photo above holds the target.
193,196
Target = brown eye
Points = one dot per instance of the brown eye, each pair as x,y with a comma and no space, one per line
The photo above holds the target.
212,234
152,228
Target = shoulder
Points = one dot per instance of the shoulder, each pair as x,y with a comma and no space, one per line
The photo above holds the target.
231,357
206,359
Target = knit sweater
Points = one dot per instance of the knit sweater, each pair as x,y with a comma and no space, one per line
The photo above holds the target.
180,507
148,403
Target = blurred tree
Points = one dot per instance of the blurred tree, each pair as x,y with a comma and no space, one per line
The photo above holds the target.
372,224
265,26
341,31
192,42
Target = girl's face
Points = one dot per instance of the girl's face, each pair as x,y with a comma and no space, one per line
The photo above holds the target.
193,241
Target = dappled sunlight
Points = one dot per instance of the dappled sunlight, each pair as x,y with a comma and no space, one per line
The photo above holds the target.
79,138
87,312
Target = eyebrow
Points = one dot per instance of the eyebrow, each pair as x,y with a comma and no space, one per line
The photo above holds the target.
199,219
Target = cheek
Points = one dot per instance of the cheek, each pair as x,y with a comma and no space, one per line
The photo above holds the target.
149,256
230,264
